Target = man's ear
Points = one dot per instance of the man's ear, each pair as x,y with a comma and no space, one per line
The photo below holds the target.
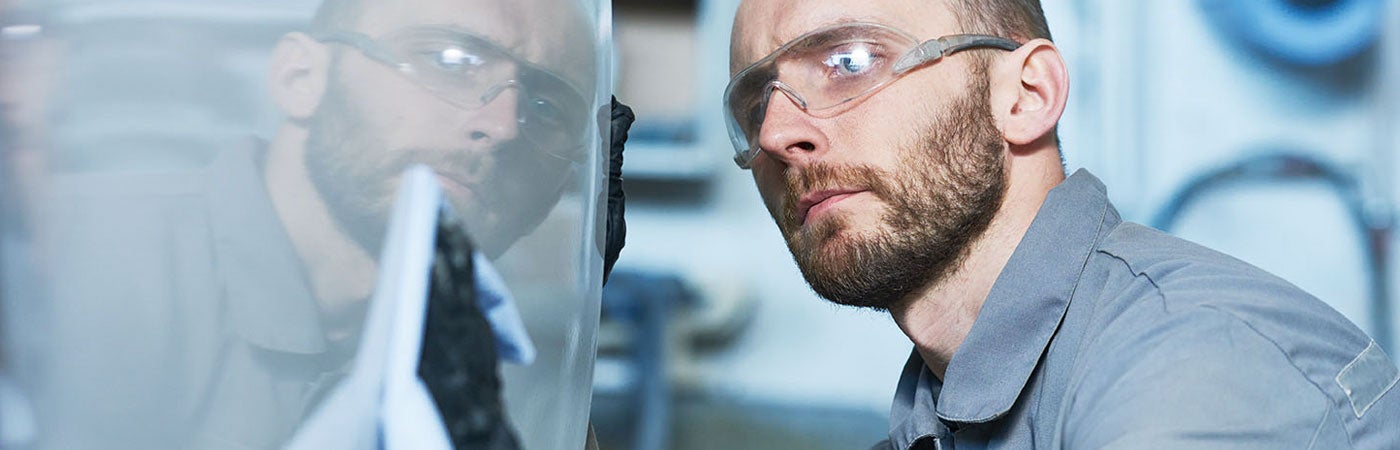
297,76
1030,87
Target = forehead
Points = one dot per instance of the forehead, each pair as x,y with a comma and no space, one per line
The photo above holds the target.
556,34
761,26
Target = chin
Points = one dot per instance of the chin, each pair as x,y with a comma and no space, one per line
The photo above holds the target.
486,238
493,252
497,238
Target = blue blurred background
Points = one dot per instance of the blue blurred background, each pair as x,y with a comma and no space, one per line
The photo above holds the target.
1263,128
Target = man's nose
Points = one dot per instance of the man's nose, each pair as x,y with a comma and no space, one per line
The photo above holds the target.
496,121
788,134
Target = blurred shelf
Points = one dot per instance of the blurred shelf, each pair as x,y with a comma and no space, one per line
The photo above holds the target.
669,161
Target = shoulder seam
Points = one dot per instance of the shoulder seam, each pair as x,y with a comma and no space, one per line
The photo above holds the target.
1157,289
1271,342
1161,296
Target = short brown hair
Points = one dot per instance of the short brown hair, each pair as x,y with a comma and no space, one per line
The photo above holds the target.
1021,20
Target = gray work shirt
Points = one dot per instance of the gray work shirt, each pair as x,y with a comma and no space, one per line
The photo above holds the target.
1101,333
183,291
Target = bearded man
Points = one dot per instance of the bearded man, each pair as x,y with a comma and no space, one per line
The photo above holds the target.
907,152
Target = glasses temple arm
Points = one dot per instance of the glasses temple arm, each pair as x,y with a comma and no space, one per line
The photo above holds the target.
933,50
361,42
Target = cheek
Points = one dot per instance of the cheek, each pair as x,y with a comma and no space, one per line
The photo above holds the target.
769,181
525,204
401,112
523,186
878,130
530,194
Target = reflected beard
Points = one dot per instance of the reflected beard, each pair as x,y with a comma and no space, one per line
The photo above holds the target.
949,187
356,174
340,147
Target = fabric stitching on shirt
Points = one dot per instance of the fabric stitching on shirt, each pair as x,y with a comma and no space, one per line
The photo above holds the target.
1276,346
1161,296
1139,274
1286,357
1078,375
1347,390
1312,443
1118,379
1097,315
1099,236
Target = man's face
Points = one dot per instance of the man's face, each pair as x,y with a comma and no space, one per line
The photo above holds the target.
916,169
374,121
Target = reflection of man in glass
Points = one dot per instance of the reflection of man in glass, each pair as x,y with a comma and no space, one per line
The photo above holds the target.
495,99
379,86
213,306
492,98
447,84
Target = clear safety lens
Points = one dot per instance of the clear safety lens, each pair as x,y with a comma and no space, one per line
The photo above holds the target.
470,71
829,67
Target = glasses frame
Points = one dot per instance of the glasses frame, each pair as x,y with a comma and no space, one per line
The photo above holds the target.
922,54
377,51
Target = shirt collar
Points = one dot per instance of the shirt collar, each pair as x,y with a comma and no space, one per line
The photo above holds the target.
1014,327
1024,308
270,303
912,416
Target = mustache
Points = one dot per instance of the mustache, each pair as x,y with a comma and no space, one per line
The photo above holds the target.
823,176
460,166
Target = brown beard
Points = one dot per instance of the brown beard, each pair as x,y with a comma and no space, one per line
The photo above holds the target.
948,187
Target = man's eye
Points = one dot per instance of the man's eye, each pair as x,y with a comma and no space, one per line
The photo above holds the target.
455,59
850,60
754,115
546,110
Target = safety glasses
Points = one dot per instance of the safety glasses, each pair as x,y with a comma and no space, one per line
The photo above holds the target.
829,67
470,71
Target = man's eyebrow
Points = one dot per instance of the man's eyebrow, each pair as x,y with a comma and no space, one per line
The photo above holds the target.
826,38
513,49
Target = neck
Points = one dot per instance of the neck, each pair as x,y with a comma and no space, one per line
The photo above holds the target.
938,317
341,273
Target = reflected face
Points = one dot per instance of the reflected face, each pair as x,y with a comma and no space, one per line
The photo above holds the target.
374,121
885,196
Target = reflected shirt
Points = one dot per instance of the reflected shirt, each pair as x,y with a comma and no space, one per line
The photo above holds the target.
1104,334
188,303
189,281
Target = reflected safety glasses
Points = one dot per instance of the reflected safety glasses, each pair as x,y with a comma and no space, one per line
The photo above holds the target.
470,71
829,67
